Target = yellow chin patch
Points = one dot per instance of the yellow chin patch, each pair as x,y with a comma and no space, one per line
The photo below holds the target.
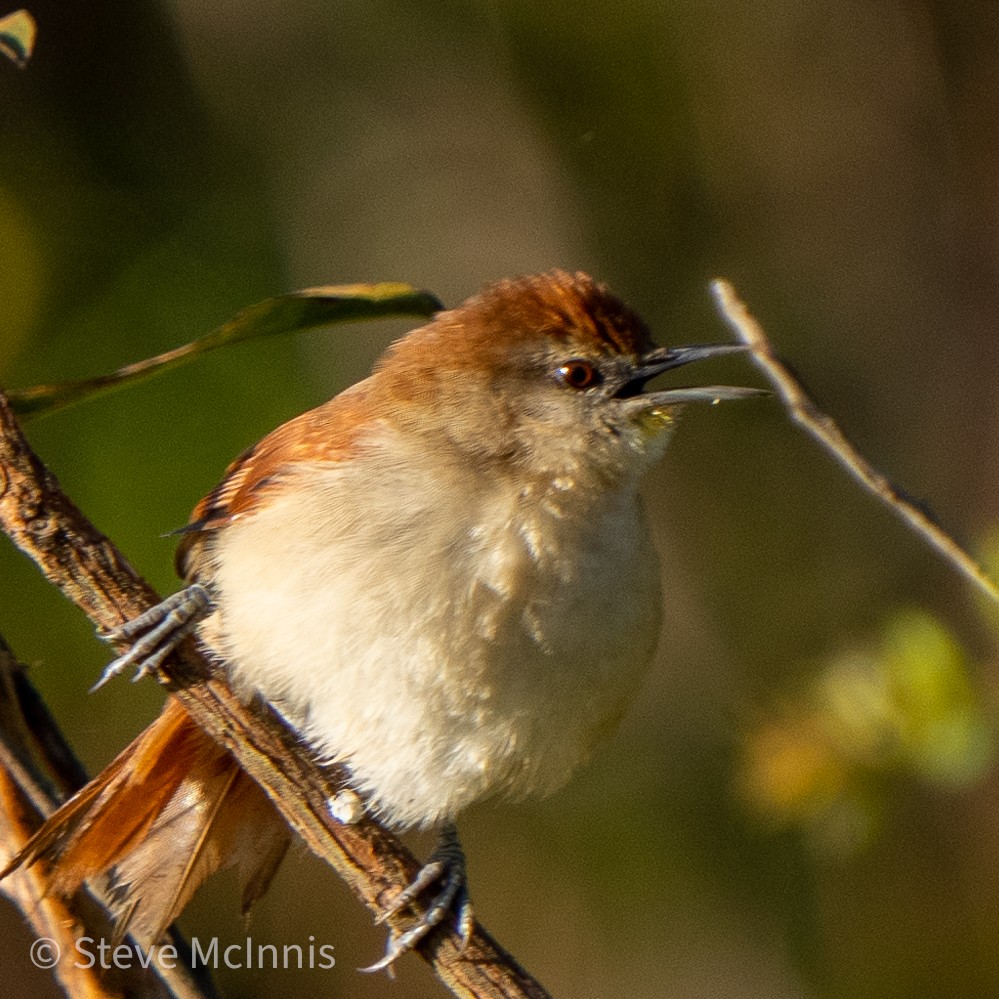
655,421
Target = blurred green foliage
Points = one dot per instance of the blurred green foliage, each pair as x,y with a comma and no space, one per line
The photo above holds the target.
908,707
162,165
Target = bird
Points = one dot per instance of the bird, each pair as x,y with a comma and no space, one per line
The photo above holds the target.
443,578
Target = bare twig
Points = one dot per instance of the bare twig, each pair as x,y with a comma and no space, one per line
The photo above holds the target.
823,428
85,565
26,798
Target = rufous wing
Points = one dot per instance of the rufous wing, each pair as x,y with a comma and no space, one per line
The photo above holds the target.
326,434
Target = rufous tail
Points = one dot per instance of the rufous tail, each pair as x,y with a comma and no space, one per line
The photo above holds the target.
170,810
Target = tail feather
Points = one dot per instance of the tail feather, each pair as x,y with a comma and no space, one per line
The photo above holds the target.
168,812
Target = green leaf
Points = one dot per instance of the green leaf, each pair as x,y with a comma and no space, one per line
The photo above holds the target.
17,37
298,310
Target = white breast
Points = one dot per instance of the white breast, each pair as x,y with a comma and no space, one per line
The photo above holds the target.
445,635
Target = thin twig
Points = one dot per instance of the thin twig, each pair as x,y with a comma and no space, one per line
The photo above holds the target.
86,566
26,799
823,428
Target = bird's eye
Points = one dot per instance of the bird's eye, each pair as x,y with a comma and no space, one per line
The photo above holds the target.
577,374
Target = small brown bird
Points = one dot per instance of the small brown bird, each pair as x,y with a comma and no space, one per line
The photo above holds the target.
443,578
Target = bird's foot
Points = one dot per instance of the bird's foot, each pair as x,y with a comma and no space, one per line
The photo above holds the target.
446,868
156,633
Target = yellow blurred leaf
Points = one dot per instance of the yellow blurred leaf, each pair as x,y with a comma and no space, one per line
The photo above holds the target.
17,37
946,733
790,771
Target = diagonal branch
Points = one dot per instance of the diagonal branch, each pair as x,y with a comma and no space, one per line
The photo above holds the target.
45,524
824,429
30,745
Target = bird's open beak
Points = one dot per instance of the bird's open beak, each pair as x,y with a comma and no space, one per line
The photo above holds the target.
665,359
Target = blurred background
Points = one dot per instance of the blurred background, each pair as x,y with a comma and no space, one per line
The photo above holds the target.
803,803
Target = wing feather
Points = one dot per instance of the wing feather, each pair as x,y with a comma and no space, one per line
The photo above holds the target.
328,433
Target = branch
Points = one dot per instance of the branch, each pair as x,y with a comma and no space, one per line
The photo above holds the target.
44,523
823,428
27,732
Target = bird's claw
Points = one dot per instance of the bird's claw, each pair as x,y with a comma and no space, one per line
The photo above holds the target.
447,867
156,633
